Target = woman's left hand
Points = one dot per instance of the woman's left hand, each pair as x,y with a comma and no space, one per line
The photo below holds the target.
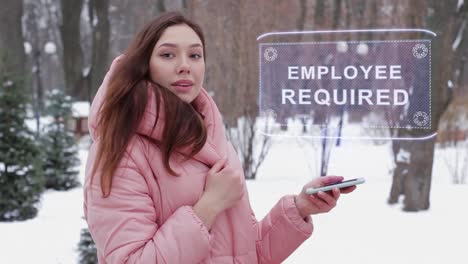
321,202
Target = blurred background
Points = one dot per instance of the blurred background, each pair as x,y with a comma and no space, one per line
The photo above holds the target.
55,53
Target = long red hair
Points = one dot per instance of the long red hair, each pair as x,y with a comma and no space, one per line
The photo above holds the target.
126,99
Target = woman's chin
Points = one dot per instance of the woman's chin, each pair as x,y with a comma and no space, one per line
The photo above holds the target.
189,97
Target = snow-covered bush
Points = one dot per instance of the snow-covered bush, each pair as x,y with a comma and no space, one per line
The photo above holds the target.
58,143
251,142
21,180
452,135
87,248
380,131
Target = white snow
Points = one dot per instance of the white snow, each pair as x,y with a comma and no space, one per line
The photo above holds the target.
459,4
450,84
27,47
403,156
95,21
362,49
7,83
53,235
387,9
342,46
112,8
459,37
17,169
52,9
85,71
50,48
44,121
362,229
80,109
42,22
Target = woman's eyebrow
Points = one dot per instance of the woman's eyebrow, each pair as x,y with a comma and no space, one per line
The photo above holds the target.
175,45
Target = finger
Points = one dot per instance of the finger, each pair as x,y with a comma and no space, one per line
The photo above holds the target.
330,200
348,189
331,179
336,193
218,166
312,203
318,202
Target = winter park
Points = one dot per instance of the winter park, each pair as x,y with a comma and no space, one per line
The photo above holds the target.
305,89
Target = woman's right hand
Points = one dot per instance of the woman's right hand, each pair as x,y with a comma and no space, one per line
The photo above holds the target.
224,186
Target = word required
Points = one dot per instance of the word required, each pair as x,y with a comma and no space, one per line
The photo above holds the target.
344,96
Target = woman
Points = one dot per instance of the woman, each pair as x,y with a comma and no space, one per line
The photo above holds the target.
163,185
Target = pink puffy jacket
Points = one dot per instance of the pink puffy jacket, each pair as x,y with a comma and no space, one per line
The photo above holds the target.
148,217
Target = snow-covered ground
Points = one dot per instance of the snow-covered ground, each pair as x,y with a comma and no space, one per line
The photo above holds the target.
51,237
361,229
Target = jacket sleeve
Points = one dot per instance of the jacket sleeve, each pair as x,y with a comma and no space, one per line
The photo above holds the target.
124,228
281,231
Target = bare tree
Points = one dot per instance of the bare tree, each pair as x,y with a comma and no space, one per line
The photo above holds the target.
99,20
11,36
454,147
413,173
460,48
252,146
72,52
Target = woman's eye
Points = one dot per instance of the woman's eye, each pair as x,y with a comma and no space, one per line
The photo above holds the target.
196,56
167,55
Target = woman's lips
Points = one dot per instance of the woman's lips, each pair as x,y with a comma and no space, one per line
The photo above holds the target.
183,88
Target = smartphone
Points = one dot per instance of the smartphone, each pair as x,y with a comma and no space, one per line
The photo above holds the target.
338,185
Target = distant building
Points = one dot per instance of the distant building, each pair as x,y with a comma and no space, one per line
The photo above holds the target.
79,121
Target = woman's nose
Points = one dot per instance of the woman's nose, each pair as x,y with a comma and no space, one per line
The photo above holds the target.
183,66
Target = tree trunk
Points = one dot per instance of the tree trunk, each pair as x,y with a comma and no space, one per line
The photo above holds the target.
11,38
412,175
101,39
461,51
72,53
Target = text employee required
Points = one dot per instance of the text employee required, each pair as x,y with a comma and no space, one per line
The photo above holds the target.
345,96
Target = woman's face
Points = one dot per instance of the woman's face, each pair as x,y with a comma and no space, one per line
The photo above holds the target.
177,62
